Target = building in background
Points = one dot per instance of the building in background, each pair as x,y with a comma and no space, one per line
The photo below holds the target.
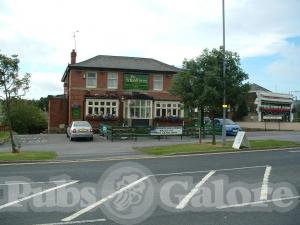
266,105
115,88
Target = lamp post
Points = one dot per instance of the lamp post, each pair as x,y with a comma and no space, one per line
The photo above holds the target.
224,80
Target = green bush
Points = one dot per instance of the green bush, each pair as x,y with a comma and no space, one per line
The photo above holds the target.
26,118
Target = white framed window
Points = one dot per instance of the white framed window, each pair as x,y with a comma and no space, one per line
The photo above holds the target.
102,107
168,109
157,82
138,109
112,80
91,79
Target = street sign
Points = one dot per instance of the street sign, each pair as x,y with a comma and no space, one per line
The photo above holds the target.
241,140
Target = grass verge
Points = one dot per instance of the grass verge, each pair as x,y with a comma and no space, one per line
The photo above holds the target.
24,156
205,147
4,135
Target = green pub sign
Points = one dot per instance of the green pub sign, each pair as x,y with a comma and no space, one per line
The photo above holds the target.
76,114
135,81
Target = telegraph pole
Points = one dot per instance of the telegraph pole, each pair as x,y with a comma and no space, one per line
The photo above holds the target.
224,80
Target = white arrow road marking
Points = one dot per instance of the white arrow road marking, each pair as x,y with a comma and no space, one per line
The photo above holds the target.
94,205
188,197
264,187
36,194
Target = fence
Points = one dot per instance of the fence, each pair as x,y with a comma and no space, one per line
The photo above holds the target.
114,132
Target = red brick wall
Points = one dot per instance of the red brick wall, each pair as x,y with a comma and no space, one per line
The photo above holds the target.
77,91
57,113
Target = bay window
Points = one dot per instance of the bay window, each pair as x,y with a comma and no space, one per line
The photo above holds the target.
102,107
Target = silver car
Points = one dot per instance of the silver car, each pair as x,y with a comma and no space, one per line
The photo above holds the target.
80,129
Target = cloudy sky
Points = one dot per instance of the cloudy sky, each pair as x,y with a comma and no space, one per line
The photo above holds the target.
265,33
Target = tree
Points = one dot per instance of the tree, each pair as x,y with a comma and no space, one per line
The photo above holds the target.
26,117
200,84
12,86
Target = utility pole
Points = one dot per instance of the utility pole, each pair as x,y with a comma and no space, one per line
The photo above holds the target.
224,80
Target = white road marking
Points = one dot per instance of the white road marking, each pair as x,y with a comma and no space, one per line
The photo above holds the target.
36,194
264,187
101,201
203,171
295,151
40,182
142,158
188,197
257,202
74,222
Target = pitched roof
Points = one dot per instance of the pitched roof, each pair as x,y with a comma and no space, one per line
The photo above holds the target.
123,63
255,87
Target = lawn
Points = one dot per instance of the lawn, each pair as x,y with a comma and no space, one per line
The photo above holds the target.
205,147
27,155
4,135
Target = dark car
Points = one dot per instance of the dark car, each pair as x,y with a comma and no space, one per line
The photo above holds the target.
232,128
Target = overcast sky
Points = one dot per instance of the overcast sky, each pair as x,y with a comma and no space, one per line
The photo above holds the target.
265,33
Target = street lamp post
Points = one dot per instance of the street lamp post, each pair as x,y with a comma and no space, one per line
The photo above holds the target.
224,75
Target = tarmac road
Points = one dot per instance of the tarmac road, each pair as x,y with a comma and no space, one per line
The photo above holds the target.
219,189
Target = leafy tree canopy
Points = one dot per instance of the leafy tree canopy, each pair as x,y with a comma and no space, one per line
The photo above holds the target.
201,81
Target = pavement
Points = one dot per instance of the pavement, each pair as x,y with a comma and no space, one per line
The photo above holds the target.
102,148
246,188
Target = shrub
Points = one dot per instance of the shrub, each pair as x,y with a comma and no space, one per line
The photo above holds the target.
27,118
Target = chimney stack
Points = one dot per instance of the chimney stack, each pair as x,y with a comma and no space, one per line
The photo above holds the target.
73,56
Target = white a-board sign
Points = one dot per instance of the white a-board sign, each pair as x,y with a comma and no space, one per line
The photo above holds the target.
241,140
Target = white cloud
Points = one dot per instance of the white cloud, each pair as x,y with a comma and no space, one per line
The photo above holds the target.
43,84
169,30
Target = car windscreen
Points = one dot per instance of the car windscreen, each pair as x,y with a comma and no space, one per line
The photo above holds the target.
81,124
229,122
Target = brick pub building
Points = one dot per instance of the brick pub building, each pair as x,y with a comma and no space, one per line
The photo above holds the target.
106,89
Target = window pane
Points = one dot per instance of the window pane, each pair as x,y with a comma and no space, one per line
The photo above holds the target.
91,80
143,114
168,105
147,113
157,112
90,110
101,103
90,103
101,111
96,103
174,112
158,82
107,111
108,103
96,111
163,112
137,112
114,111
157,105
113,103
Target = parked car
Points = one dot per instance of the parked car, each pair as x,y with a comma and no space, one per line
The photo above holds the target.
80,129
231,127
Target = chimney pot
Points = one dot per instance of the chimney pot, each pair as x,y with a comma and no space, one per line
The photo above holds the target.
73,56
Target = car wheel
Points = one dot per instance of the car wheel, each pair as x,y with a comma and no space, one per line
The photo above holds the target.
71,139
91,138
